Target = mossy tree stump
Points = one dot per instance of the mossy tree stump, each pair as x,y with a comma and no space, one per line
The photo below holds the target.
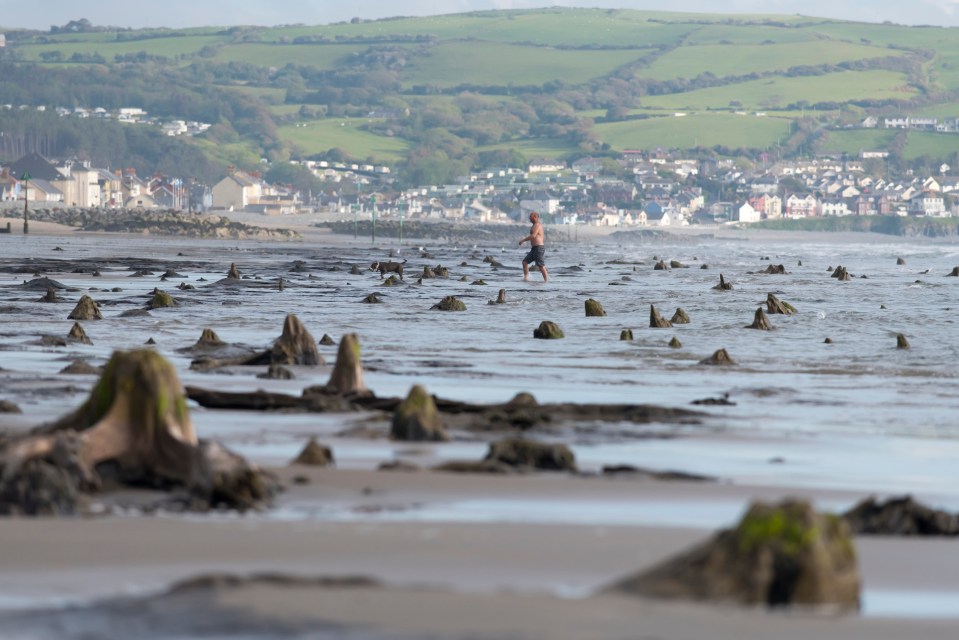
594,309
347,376
680,317
778,555
719,357
295,345
548,330
775,305
760,321
86,309
449,303
136,417
723,285
518,452
417,418
77,334
161,300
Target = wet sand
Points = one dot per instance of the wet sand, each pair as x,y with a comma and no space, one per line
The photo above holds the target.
444,571
439,579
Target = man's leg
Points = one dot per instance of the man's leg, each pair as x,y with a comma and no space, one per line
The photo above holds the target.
544,272
525,270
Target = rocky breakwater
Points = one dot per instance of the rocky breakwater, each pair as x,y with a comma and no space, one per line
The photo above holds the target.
166,222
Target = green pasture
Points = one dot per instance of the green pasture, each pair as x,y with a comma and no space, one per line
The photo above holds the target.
317,136
779,92
238,155
738,60
852,141
169,47
888,34
484,63
936,145
703,130
319,56
553,26
746,35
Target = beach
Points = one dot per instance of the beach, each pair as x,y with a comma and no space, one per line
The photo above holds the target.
353,551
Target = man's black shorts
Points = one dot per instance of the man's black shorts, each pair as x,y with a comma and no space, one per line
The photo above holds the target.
536,255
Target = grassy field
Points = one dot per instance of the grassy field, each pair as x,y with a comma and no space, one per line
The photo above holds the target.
535,148
555,26
167,47
503,65
937,145
853,141
778,92
737,60
319,56
318,136
749,35
705,130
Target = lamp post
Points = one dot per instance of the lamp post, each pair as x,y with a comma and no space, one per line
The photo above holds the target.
401,220
26,190
373,226
355,222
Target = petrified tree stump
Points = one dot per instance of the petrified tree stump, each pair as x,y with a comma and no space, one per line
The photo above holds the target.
901,342
778,555
775,305
372,299
417,419
657,321
501,297
77,334
233,273
760,321
347,376
517,452
161,300
315,454
720,357
626,334
723,285
295,345
86,309
208,339
680,317
449,303
548,330
594,309
954,273
50,296
675,343
661,266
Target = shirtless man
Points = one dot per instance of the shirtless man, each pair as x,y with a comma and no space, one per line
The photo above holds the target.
537,252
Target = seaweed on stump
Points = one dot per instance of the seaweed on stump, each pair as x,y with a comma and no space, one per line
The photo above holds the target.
680,317
449,303
372,299
347,376
548,330
626,334
315,454
417,418
208,340
720,357
50,296
723,285
676,264
518,452
760,321
594,309
427,273
660,266
778,555
295,345
674,343
77,334
86,309
233,273
657,321
901,342
161,300
775,305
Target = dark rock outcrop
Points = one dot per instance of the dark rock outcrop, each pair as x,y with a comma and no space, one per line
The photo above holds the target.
517,452
723,285
315,454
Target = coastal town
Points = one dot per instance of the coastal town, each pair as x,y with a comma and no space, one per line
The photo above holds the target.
641,188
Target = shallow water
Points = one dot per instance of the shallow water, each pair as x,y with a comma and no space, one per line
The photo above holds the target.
857,413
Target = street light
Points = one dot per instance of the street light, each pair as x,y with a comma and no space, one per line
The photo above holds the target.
373,200
26,190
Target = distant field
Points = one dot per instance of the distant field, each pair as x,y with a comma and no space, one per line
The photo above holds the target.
536,148
319,136
705,130
778,92
238,155
852,141
284,109
737,60
320,56
742,34
502,65
936,145
555,26
169,47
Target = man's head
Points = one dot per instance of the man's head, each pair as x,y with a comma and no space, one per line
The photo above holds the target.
533,217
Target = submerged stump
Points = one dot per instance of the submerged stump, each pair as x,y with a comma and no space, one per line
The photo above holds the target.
233,273
720,357
295,345
594,309
548,330
347,376
723,285
77,334
680,317
315,454
656,321
86,309
518,452
775,305
901,341
760,321
449,303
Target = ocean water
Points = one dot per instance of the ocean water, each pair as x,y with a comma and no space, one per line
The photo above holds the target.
858,413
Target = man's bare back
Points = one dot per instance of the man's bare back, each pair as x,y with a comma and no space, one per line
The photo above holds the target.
537,241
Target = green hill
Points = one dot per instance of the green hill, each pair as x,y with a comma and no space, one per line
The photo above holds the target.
440,95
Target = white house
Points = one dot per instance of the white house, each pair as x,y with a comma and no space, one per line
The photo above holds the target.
747,214
237,191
